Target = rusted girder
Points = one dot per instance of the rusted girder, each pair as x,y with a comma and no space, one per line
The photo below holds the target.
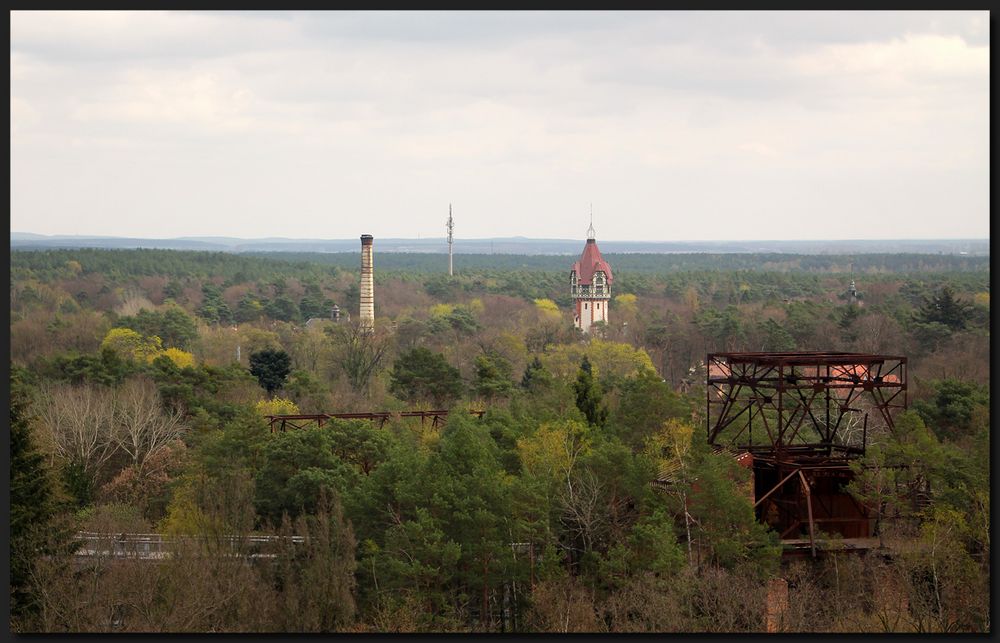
302,421
800,401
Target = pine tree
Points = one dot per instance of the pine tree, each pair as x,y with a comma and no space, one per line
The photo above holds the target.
271,368
944,308
534,375
35,528
588,395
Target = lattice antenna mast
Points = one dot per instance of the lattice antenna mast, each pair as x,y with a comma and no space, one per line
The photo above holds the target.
451,239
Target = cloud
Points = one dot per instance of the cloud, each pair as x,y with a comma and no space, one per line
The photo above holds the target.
524,117
201,99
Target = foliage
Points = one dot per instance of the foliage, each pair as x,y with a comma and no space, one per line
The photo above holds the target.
128,344
588,395
213,307
493,376
181,359
172,325
726,529
646,402
276,406
271,368
952,409
422,375
36,529
541,514
318,575
297,466
944,308
548,309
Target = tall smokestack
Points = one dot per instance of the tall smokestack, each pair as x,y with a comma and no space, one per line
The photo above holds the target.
367,283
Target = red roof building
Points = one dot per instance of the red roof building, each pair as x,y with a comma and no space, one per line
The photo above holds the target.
590,284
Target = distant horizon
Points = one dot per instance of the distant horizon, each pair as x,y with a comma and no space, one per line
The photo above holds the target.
520,237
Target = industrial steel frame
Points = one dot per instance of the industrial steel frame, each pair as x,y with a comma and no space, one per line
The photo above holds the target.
798,402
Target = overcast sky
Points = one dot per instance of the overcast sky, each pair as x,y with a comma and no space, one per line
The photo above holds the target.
675,125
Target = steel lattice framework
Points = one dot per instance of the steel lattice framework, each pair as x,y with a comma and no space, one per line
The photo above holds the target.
801,417
798,403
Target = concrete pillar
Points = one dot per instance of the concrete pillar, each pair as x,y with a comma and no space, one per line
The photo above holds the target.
777,604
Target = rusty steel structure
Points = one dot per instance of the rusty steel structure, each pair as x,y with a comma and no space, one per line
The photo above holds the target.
803,417
303,421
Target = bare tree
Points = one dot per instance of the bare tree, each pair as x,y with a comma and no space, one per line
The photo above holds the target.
359,353
79,424
142,426
879,333
563,604
584,510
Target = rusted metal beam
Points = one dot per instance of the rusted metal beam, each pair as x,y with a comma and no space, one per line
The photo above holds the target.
809,507
301,421
775,488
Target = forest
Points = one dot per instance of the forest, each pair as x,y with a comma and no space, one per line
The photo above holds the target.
142,381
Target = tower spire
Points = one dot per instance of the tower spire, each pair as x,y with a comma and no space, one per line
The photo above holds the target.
590,230
451,229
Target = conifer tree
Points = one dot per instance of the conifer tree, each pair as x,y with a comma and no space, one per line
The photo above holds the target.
944,308
35,528
588,395
271,368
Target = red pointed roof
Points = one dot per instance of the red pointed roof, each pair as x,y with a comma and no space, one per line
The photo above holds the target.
590,262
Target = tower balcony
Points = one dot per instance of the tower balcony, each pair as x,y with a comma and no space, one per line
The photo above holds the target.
606,295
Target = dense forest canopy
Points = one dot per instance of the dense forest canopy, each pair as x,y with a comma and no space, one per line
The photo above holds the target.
142,380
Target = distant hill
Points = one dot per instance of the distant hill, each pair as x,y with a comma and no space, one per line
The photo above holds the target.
509,245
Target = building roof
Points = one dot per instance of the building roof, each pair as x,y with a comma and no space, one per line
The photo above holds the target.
590,262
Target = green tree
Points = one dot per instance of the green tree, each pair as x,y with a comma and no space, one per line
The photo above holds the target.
944,308
588,395
36,529
271,368
316,575
297,467
466,485
462,320
173,290
848,316
493,376
283,309
892,474
107,368
723,329
172,325
314,303
421,374
646,402
213,307
776,338
359,443
952,409
535,376
725,529
249,308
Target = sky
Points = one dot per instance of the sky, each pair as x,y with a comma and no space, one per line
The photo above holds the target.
668,125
